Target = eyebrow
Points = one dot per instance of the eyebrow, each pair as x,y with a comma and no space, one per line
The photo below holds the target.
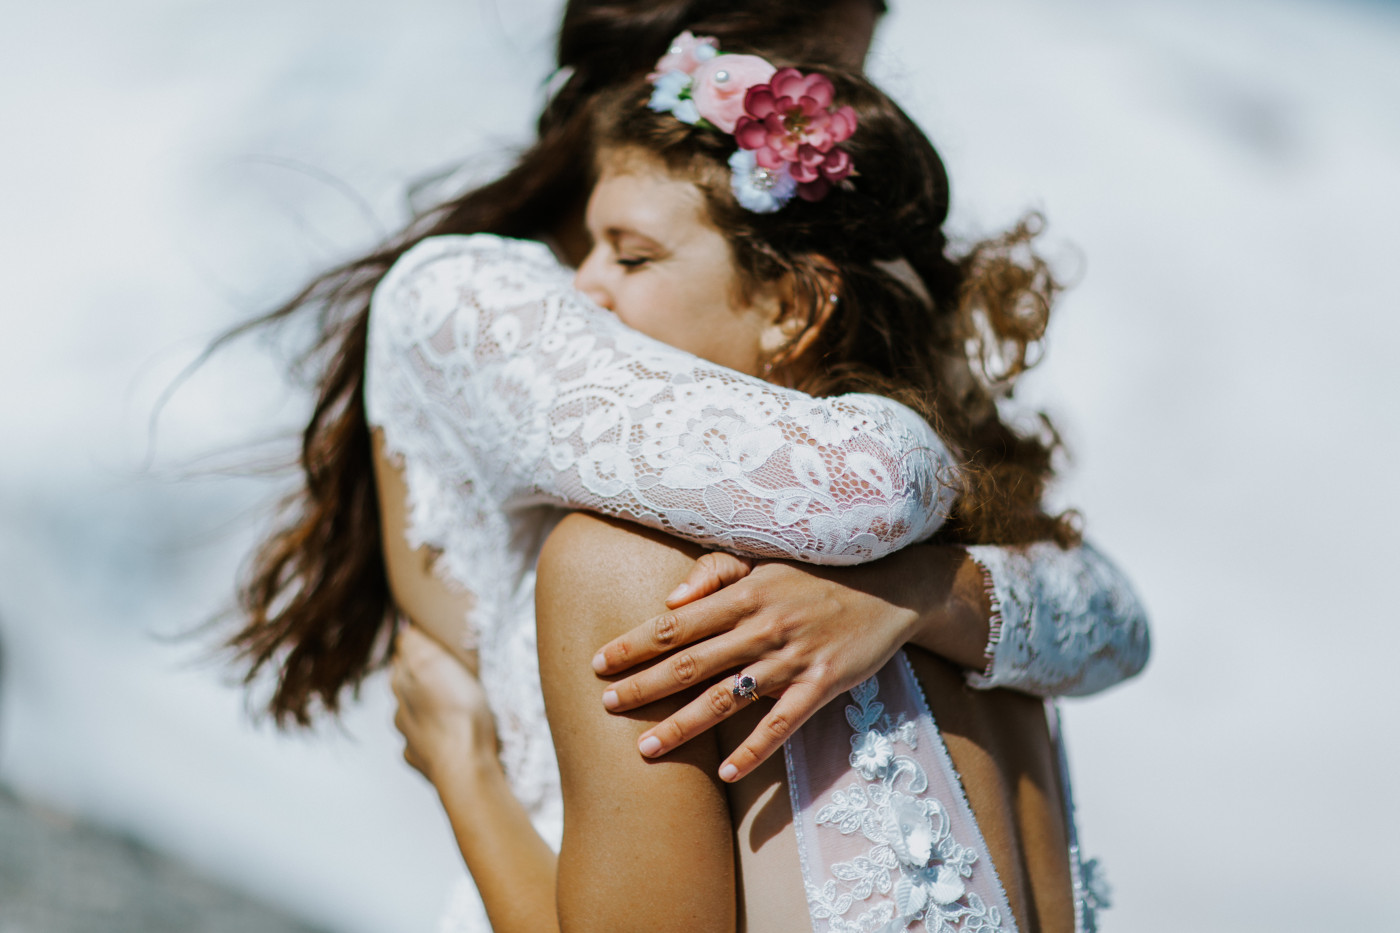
616,233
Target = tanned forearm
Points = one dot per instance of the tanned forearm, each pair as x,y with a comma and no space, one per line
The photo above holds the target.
512,866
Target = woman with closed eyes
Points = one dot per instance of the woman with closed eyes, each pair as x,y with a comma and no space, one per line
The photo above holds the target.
494,393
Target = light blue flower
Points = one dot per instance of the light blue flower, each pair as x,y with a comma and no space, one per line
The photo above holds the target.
761,190
671,94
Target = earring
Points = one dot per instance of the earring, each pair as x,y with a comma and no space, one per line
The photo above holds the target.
835,298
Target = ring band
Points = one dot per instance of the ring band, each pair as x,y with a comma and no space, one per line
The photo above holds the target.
745,687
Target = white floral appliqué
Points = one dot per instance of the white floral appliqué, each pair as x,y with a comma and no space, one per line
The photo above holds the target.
914,861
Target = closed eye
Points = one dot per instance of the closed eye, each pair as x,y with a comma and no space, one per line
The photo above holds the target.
632,262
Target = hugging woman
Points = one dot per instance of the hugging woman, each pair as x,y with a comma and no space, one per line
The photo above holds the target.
499,395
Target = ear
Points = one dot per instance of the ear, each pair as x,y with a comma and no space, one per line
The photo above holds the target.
804,302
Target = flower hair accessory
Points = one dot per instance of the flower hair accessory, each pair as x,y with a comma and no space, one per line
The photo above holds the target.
784,122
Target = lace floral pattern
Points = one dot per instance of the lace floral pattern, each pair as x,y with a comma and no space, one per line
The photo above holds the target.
506,396
525,393
914,872
1066,622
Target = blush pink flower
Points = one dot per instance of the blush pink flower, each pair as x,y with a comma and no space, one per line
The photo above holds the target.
686,53
720,85
789,122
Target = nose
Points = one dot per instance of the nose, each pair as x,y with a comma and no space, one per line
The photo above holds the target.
592,281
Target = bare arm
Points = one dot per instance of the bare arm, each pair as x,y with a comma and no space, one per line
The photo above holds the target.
449,732
647,844
450,738
631,825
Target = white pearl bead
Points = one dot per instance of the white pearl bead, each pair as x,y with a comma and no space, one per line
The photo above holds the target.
721,77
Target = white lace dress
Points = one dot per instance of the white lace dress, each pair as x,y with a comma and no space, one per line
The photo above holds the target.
509,399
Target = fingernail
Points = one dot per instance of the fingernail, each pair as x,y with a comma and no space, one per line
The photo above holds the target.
649,746
610,699
600,662
728,772
678,592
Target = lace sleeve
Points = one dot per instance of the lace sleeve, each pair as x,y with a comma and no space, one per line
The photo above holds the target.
492,370
1064,622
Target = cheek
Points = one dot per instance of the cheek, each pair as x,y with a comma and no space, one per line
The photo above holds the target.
643,307
691,314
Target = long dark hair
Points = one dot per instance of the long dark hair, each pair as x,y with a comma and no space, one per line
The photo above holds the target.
910,318
315,596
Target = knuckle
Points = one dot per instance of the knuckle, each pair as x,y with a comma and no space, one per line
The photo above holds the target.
748,754
630,693
713,565
774,633
666,629
671,733
786,624
683,669
821,673
747,596
720,701
779,726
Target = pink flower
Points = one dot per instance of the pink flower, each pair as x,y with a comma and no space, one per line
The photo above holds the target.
788,122
720,85
837,165
687,52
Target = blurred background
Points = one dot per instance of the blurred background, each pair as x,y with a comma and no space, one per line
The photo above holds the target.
1222,177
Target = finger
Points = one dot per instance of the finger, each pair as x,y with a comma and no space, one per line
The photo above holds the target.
706,711
710,574
670,630
697,664
794,707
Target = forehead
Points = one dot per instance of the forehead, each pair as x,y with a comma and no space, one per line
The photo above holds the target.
635,189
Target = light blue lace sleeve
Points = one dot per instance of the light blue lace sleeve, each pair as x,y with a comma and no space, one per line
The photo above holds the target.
1064,622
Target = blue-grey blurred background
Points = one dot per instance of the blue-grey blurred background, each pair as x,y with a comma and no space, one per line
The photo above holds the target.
1222,177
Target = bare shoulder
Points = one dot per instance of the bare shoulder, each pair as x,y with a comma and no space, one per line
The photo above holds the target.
590,560
647,843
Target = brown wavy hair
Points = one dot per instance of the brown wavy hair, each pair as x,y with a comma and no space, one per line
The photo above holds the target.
315,596
944,332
